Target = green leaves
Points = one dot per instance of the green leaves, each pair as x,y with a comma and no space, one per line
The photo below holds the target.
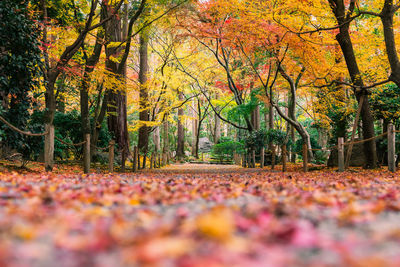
19,68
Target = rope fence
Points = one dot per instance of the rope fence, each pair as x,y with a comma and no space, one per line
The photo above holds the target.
21,131
101,148
249,161
69,144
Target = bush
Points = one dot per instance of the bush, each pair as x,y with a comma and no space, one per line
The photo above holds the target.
67,128
224,150
257,139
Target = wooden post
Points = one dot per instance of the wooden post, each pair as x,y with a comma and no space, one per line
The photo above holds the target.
341,154
49,147
86,154
111,156
284,159
391,148
305,157
262,159
135,158
253,158
244,160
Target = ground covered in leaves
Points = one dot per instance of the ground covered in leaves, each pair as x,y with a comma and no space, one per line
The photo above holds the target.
207,217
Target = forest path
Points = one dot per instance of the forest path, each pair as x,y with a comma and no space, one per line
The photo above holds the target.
208,168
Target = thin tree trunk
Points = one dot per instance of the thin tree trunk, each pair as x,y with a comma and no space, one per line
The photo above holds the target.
144,116
117,101
84,96
217,129
165,141
344,40
180,149
194,130
98,121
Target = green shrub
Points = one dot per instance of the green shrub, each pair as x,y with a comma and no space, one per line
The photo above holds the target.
224,150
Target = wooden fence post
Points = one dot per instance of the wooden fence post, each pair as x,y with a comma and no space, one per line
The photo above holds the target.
341,154
262,159
111,156
305,157
284,159
49,147
86,154
391,148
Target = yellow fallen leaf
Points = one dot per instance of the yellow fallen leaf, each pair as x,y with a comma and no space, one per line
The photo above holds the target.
217,224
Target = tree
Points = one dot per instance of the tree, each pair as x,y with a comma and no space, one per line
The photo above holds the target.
118,32
144,111
20,58
55,67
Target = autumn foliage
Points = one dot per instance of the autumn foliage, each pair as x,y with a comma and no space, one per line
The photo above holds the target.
217,217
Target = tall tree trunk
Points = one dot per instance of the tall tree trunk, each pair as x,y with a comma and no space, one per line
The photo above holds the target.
156,139
195,133
255,118
98,121
144,116
60,94
116,96
293,121
292,114
388,11
344,40
217,129
84,95
165,140
180,148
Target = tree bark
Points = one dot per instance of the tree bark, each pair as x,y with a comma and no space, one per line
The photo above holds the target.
116,96
346,45
144,115
84,96
255,118
217,129
180,148
388,11
195,133
165,140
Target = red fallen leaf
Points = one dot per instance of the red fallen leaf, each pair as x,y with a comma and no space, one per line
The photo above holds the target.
305,235
243,223
182,212
264,219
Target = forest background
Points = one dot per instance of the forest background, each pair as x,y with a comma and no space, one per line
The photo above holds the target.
161,75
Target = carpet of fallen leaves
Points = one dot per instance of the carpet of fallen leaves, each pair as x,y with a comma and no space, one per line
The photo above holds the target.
207,217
